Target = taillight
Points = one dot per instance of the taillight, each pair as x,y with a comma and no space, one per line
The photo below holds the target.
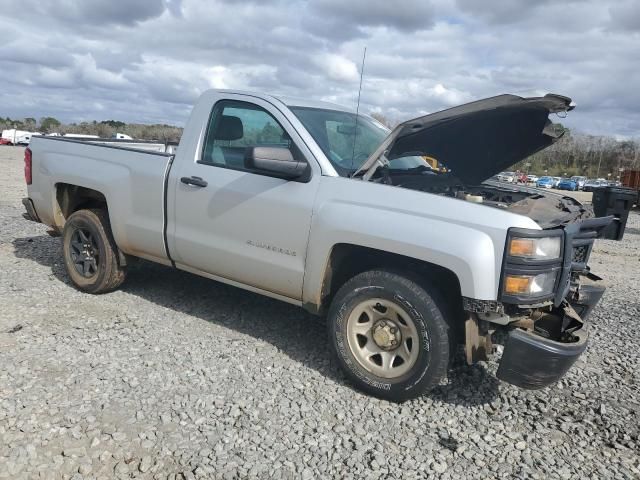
27,166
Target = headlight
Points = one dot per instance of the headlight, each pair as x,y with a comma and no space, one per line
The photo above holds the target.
542,248
533,264
538,285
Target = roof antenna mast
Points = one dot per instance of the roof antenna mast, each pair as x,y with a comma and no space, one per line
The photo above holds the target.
355,133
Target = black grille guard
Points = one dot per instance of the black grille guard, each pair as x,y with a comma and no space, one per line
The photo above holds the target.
578,235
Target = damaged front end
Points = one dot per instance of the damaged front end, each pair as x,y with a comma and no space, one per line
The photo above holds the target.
472,143
546,288
544,333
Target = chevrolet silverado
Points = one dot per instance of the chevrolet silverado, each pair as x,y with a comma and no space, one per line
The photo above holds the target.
310,203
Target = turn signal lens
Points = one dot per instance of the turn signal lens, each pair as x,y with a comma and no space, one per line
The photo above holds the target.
530,285
517,284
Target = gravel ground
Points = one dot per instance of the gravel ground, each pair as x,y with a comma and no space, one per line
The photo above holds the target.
175,376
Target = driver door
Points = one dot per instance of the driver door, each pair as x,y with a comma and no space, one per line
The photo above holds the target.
242,225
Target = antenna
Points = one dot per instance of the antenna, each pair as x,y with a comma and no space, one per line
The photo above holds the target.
355,133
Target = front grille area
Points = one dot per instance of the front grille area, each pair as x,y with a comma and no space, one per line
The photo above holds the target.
580,254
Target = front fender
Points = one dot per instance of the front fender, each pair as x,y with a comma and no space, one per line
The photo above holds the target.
467,239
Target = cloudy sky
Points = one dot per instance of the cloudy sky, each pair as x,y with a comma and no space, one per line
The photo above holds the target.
148,60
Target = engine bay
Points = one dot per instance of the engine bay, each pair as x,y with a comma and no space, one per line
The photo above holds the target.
548,209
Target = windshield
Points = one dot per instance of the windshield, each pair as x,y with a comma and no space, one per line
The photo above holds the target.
346,146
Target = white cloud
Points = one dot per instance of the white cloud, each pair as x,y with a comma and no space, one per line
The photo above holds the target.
92,76
150,60
338,68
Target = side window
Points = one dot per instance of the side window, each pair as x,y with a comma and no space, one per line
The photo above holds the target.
234,126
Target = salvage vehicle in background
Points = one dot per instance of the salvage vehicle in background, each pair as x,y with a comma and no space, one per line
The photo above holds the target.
580,181
567,184
591,185
544,182
509,177
631,179
309,203
17,137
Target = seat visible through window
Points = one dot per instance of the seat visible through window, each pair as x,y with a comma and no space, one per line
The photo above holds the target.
235,126
219,152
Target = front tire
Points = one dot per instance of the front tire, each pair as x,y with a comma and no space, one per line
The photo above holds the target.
90,252
389,335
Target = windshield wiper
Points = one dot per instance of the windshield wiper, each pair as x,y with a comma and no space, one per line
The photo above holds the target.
414,170
419,168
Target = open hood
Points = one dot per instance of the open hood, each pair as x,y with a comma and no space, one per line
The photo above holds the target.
478,139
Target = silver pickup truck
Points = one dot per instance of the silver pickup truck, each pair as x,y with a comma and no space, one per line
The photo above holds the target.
400,239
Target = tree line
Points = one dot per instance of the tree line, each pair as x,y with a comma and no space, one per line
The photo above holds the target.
104,129
593,156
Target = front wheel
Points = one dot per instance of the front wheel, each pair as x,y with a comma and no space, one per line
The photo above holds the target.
90,252
389,335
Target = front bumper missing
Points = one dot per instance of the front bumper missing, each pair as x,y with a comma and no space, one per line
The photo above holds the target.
532,362
540,350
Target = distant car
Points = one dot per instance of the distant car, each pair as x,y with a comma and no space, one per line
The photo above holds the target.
591,185
507,177
5,141
521,177
24,140
532,178
545,182
568,184
556,181
579,180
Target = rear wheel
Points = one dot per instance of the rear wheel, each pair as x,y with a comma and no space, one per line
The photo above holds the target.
90,253
389,335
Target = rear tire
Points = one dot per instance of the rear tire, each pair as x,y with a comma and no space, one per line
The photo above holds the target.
389,335
90,252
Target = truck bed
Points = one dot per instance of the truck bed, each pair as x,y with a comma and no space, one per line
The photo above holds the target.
130,174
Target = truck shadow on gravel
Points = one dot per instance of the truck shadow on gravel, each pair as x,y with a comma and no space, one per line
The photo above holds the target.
296,333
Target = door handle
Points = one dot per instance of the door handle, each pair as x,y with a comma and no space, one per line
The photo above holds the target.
195,181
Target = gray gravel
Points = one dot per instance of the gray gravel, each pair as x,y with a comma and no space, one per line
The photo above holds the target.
175,376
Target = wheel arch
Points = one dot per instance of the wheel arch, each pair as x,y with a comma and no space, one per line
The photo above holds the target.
70,198
347,260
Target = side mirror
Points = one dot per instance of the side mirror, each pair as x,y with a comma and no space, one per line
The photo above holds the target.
277,161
